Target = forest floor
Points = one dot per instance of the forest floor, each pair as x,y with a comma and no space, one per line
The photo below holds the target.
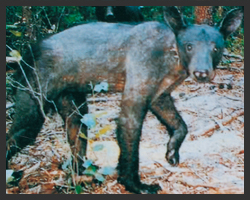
211,156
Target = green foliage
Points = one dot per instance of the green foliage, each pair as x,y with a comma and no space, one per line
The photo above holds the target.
107,170
89,120
78,189
13,14
152,13
226,62
91,170
99,177
235,42
9,176
98,147
188,13
103,86
73,18
98,174
58,18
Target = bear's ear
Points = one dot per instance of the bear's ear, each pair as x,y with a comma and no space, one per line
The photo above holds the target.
173,18
231,22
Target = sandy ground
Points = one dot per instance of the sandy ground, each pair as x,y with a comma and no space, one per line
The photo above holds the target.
211,157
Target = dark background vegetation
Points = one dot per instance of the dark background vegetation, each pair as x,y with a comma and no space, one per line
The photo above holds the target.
44,20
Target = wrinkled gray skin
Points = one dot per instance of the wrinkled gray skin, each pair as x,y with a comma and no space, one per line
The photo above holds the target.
144,57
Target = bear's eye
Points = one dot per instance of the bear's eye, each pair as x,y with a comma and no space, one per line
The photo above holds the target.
215,49
189,47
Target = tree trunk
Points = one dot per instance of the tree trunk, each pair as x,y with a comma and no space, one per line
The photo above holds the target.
32,25
203,15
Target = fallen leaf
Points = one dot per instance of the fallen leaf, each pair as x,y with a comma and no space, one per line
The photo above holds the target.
16,33
241,152
16,54
103,131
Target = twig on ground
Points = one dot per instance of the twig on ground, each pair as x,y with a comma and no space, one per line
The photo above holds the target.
219,123
233,98
197,174
233,55
213,127
9,105
11,60
198,185
104,99
227,68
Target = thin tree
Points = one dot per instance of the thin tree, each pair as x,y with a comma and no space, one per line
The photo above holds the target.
203,15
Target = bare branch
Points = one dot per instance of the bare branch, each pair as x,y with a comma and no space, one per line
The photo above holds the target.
11,60
207,130
59,19
47,17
